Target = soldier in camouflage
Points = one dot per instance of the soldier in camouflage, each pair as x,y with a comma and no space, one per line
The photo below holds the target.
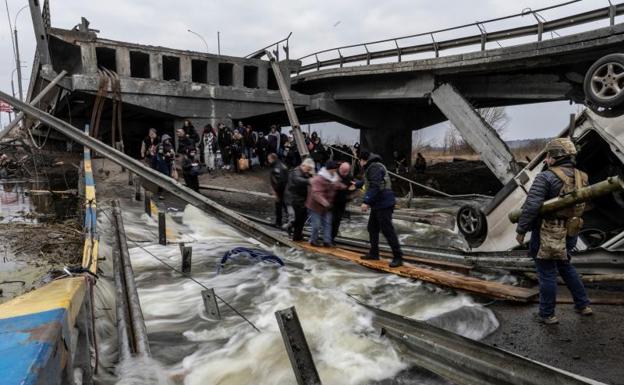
553,236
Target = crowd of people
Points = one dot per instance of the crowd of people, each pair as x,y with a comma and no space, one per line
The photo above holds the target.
318,186
224,148
323,196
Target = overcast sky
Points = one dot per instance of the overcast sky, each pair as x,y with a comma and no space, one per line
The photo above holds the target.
247,25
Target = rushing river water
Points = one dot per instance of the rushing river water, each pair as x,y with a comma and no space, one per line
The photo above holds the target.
190,348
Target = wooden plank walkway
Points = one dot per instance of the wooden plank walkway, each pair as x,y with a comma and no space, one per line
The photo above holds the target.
453,280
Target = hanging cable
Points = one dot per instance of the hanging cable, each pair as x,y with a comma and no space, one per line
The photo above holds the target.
446,195
189,277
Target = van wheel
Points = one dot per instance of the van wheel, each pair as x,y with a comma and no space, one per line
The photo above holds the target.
471,223
604,82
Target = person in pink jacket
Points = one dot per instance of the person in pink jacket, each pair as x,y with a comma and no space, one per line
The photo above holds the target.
320,200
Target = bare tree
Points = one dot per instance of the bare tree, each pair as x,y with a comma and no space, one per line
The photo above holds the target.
495,116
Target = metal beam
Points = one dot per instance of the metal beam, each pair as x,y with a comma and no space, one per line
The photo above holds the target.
210,304
290,108
297,347
194,198
36,100
41,33
121,305
464,361
137,322
476,132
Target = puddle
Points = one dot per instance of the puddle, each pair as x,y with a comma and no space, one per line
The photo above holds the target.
35,234
30,201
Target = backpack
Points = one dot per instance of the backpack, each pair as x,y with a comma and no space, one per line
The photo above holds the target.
572,214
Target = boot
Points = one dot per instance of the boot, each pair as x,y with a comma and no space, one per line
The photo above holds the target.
396,262
368,257
587,311
550,320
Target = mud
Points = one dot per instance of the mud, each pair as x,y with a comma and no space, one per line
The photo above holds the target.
40,221
455,178
590,346
31,252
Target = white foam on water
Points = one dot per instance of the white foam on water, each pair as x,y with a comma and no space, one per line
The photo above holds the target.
189,348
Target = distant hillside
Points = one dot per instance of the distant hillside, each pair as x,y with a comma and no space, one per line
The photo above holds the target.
523,143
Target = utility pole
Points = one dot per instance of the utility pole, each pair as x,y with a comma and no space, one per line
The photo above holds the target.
18,62
219,42
13,91
19,67
201,37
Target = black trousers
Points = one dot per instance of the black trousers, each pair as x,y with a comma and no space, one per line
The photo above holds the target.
280,205
381,220
337,214
191,181
301,214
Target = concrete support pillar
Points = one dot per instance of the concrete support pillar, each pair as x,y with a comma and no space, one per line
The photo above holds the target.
213,72
186,69
156,66
384,141
88,57
123,61
238,76
476,132
263,77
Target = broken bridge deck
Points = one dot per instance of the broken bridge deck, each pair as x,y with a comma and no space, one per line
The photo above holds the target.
453,280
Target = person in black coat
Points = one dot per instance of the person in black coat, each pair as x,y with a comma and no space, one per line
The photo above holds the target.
191,169
184,142
262,147
279,179
380,199
296,195
190,131
224,140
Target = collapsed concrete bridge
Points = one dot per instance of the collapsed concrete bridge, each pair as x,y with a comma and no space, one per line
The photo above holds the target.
161,86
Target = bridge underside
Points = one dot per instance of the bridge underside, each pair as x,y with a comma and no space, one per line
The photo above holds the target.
387,101
162,105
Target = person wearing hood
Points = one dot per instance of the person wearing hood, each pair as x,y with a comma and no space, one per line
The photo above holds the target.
279,179
379,198
165,156
347,186
296,196
320,201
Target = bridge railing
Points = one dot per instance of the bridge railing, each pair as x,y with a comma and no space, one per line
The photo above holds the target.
312,62
274,47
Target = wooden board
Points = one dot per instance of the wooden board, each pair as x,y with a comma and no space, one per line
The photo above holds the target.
457,267
442,278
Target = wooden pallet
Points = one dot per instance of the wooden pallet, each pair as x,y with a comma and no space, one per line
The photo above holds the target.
443,278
